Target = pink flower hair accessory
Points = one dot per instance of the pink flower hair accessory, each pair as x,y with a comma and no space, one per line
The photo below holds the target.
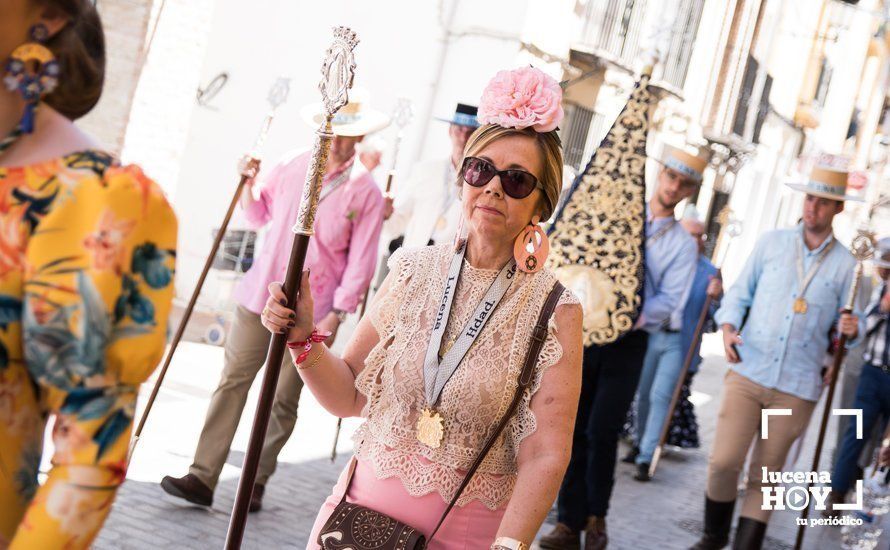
521,98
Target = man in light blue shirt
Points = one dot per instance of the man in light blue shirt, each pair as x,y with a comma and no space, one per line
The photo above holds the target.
670,266
666,351
776,321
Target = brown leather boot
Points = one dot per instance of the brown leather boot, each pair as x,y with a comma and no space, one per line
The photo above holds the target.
718,522
562,537
596,538
749,534
834,497
256,498
188,487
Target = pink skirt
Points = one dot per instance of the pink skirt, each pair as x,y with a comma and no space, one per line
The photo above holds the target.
469,527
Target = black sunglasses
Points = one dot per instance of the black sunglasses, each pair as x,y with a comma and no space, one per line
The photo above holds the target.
516,183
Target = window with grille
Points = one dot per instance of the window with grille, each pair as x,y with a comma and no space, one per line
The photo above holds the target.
616,27
746,95
574,137
822,84
235,251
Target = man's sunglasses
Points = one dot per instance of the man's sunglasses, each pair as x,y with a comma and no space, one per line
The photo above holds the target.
515,183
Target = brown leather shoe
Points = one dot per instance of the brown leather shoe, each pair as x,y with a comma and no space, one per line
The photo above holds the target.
834,497
631,456
188,487
562,537
256,499
642,472
596,538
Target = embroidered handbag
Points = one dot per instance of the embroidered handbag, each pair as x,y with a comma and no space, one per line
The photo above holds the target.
355,527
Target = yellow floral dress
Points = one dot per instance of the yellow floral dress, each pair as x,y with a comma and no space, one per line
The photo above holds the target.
87,252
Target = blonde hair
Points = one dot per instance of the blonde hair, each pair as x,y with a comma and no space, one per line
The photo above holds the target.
551,157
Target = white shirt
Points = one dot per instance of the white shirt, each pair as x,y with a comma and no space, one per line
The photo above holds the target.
427,206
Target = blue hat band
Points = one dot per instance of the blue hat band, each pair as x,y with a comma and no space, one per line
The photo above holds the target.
463,119
676,165
341,118
820,187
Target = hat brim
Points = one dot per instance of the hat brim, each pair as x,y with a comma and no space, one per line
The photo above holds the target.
804,188
371,121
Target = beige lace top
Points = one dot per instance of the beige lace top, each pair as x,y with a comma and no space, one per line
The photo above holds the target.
475,397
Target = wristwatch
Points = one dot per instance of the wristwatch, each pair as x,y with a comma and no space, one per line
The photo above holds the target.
506,543
341,315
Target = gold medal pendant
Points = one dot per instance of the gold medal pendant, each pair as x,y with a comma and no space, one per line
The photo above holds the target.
800,305
430,428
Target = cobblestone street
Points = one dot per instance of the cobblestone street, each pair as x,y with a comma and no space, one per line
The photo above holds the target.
665,513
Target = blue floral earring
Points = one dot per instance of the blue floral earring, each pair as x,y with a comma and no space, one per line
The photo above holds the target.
32,84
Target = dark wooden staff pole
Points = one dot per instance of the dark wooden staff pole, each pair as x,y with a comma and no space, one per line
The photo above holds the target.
402,117
687,364
251,166
862,249
361,313
826,412
337,74
190,307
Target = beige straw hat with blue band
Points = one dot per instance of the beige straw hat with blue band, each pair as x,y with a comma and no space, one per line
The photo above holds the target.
687,164
826,182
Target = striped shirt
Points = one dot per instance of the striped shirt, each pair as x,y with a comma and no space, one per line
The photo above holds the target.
877,331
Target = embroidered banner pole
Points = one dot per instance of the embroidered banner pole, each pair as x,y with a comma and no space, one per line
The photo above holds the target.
597,238
337,72
249,167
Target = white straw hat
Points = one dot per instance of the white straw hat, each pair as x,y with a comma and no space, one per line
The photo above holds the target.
356,118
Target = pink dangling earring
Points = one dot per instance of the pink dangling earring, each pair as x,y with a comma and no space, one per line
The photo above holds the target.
531,248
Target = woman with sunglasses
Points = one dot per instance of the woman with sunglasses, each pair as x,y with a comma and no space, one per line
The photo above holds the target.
435,363
86,266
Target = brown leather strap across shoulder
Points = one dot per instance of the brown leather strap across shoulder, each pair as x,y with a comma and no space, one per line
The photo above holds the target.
539,336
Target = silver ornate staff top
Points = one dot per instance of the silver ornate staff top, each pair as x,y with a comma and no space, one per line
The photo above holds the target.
863,245
276,98
401,116
337,73
862,248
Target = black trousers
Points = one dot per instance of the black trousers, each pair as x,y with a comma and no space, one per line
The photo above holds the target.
609,381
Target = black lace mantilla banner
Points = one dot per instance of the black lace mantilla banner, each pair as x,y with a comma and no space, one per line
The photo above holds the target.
598,234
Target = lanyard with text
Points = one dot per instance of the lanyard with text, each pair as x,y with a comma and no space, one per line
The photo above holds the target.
661,232
800,303
334,184
438,370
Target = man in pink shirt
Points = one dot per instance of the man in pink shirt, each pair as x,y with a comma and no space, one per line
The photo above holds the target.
342,257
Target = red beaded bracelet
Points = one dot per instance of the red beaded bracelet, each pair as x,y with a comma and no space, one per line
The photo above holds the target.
306,345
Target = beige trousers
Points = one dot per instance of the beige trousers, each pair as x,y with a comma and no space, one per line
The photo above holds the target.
245,354
737,424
